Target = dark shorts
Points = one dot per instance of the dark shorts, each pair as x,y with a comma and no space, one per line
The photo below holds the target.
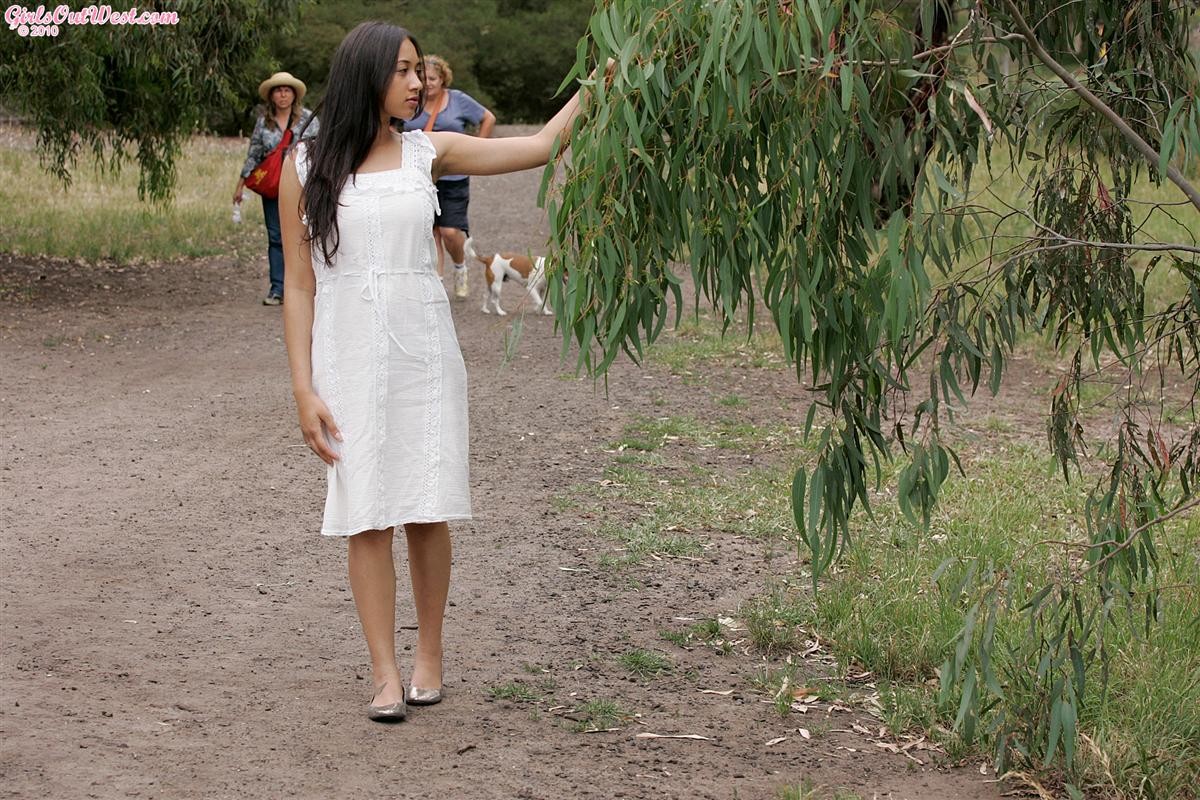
453,197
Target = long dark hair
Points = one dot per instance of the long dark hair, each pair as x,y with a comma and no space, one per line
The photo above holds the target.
359,76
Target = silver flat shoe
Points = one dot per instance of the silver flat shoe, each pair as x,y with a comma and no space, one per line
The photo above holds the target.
424,697
393,712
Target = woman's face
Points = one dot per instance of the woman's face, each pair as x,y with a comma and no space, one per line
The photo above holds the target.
433,82
404,92
283,97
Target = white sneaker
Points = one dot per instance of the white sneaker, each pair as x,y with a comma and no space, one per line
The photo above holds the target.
460,281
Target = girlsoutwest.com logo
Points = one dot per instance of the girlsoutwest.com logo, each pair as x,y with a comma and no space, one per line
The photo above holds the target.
44,22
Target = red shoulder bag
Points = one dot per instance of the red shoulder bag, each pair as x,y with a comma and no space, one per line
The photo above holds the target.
264,178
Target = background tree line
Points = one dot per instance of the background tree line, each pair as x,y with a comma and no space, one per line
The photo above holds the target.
132,93
510,55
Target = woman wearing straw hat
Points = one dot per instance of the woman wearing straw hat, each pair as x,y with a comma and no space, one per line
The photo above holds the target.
283,94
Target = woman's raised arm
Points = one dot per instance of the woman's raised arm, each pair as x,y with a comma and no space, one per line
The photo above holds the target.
472,155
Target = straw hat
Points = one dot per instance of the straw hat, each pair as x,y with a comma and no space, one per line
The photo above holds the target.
282,79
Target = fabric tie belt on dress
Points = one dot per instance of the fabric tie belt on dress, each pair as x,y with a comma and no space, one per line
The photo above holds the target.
370,293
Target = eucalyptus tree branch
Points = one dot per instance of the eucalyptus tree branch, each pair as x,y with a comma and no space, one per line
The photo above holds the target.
1139,144
819,63
1148,246
1133,534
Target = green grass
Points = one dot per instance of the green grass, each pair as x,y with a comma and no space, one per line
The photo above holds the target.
644,664
672,511
698,339
707,632
772,623
600,715
808,790
99,217
644,539
651,434
881,612
515,691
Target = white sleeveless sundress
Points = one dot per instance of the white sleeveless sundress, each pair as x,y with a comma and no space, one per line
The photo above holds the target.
385,357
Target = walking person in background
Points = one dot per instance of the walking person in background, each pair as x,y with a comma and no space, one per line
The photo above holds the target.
378,377
283,94
449,109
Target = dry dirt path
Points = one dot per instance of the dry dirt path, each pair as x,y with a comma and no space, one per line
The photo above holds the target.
173,626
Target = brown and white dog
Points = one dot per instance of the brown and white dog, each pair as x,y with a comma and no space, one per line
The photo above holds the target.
497,268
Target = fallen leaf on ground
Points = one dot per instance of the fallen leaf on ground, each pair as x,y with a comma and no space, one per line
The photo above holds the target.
725,693
804,733
672,736
776,741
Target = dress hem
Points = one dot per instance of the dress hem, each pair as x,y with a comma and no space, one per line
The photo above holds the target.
416,520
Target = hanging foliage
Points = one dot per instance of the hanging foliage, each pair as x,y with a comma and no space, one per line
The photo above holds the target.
815,160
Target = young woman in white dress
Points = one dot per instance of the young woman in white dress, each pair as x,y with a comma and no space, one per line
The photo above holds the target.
378,378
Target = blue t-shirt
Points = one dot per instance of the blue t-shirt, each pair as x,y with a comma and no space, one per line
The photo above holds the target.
461,110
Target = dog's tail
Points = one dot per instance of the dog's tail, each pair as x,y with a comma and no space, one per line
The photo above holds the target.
469,252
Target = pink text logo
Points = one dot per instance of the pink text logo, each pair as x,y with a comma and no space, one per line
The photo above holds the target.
45,22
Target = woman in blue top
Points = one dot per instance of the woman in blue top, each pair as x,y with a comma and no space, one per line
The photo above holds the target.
283,94
451,110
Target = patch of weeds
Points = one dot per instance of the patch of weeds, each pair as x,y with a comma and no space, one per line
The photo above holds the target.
562,502
807,790
785,687
697,343
514,691
53,341
640,457
994,424
804,790
678,638
906,707
534,669
644,663
706,632
732,401
635,443
648,434
772,622
753,502
599,715
644,538
709,632
610,563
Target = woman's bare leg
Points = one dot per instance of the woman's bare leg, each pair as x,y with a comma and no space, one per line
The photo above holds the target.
429,566
373,582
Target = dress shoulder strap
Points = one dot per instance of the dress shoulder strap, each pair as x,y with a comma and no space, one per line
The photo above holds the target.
300,149
419,151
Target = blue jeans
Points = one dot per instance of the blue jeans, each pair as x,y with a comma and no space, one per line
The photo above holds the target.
274,244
